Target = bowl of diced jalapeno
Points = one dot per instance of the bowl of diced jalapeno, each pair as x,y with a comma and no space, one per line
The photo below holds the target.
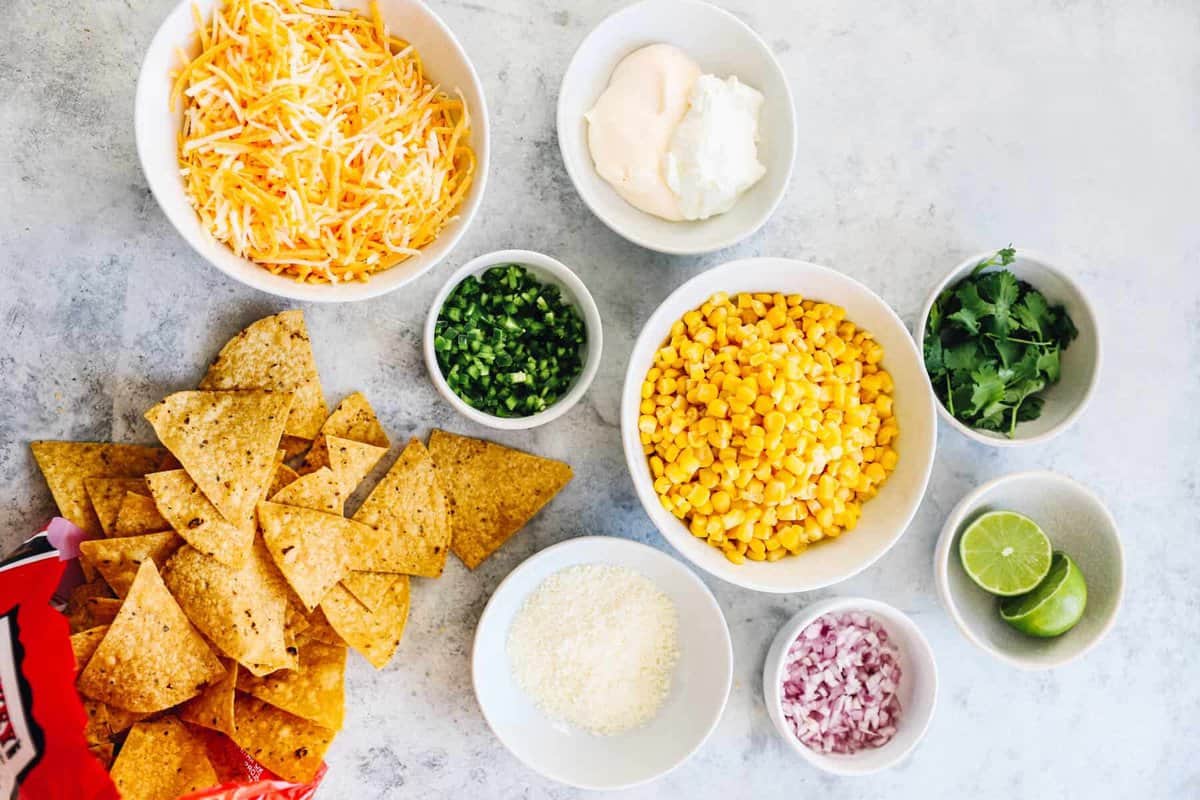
513,339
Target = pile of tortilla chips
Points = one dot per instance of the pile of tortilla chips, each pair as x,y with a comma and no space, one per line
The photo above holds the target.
225,583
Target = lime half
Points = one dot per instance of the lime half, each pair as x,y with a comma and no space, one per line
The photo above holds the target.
1054,606
1004,552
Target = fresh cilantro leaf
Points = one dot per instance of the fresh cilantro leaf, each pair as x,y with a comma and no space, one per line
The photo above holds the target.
1033,314
935,363
988,389
963,356
1008,350
1050,364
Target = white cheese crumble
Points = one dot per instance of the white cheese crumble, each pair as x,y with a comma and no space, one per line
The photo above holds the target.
595,646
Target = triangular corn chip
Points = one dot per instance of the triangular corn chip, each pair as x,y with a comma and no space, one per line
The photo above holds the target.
65,465
350,461
369,588
118,559
274,353
309,547
107,495
409,510
197,520
226,441
291,747
78,615
293,446
375,634
241,611
493,491
213,708
284,475
320,630
151,658
354,419
84,644
314,690
320,491
162,759
138,515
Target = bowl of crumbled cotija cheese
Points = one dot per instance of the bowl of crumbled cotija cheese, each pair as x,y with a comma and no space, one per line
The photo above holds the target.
602,663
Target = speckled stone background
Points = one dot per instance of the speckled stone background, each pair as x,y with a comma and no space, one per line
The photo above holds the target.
928,131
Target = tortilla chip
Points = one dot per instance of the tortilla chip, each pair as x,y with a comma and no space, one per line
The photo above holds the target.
240,610
151,658
350,461
320,630
293,446
320,491
118,559
197,520
313,691
103,610
369,588
84,644
354,419
284,476
409,510
95,730
291,747
226,441
76,610
492,490
107,494
139,515
162,759
309,547
375,634
213,708
274,353
104,752
65,465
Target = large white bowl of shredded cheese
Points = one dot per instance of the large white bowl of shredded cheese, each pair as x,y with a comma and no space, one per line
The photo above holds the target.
699,666
157,130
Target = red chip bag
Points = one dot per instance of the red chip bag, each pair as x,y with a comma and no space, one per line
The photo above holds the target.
43,749
43,753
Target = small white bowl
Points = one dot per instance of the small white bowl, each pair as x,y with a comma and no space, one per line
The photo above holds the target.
1065,400
156,130
917,691
699,688
1078,524
547,270
722,45
886,516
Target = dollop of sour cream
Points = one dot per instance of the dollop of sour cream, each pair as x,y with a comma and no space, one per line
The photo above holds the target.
713,156
673,141
632,124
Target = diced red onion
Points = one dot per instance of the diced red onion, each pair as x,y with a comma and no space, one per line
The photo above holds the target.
840,678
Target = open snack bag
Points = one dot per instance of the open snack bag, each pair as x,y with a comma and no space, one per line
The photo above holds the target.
56,742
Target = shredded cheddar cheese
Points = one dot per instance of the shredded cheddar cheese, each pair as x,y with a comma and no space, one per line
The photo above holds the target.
313,144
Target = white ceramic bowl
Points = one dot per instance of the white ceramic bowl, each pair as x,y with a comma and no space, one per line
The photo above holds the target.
1078,524
886,516
550,271
699,689
156,129
1065,400
721,44
917,691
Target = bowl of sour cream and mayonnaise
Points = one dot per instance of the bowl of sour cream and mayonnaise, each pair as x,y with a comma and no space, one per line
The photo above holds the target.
677,127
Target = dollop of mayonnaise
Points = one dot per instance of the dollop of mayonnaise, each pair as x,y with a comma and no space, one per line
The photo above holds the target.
713,155
631,127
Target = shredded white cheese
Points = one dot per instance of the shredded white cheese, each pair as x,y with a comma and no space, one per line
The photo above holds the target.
595,646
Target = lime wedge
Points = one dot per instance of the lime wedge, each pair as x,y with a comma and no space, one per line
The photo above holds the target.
1004,552
1054,606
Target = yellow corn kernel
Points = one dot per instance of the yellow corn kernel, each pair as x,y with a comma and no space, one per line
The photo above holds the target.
889,459
698,495
720,502
733,555
755,556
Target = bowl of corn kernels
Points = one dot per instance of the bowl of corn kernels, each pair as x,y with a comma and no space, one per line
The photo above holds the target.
778,424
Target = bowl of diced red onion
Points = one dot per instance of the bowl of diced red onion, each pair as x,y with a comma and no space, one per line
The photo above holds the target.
851,685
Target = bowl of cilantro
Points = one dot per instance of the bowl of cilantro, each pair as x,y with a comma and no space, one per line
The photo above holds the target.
513,340
1011,347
